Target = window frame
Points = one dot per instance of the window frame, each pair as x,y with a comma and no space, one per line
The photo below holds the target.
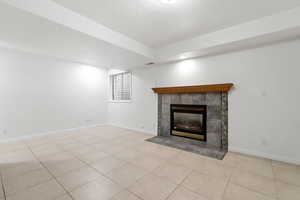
111,100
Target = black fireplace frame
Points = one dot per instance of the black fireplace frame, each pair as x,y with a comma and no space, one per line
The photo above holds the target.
193,109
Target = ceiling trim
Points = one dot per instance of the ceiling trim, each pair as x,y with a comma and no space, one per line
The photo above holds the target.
267,29
61,15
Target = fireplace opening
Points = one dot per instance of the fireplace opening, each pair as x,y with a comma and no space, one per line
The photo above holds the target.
188,121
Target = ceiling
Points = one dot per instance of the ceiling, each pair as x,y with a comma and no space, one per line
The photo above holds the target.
157,25
126,34
24,31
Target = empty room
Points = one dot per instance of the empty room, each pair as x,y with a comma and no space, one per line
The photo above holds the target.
149,100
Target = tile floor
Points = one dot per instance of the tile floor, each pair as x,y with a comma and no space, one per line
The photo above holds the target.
109,163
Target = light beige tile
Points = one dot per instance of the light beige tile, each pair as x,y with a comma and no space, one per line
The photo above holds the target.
148,147
107,164
22,168
65,141
256,165
152,187
81,150
1,191
71,146
173,172
78,178
103,189
127,174
65,166
287,191
114,149
127,141
232,159
147,161
37,141
92,157
87,140
16,184
127,154
100,146
56,158
138,136
125,195
165,152
192,161
183,194
12,146
254,182
46,150
288,175
205,185
284,165
236,192
217,169
64,197
16,158
46,191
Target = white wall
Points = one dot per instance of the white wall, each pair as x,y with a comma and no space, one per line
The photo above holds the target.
39,94
263,107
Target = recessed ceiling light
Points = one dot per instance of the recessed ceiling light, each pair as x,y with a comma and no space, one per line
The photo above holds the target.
168,1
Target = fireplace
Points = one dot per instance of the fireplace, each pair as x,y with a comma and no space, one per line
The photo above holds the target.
188,121
194,118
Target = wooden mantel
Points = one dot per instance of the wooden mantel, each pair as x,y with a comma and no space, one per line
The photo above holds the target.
225,87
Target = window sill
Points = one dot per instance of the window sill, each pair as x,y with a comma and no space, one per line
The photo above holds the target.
119,101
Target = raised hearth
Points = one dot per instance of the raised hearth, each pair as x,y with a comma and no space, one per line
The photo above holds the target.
194,118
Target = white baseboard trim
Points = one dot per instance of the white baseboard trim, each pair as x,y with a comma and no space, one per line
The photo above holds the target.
265,155
134,129
15,139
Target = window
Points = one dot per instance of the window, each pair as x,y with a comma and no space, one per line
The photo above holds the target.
121,87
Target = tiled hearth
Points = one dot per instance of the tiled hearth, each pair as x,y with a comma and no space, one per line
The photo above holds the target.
215,141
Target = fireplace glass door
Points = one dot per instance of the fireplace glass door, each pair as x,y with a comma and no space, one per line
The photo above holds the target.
189,121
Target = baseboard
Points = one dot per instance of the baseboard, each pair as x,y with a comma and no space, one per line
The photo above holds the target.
265,155
134,129
15,139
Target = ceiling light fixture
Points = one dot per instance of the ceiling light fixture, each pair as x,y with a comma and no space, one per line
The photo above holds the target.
167,1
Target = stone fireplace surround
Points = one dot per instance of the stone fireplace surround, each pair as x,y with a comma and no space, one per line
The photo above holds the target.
216,100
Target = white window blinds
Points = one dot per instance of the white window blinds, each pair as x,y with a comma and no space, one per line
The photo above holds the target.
121,87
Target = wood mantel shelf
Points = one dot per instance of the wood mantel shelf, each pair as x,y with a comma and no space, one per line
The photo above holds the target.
225,87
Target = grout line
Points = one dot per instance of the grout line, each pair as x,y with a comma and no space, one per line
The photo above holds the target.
3,189
227,184
177,186
229,180
51,175
250,189
188,189
275,180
